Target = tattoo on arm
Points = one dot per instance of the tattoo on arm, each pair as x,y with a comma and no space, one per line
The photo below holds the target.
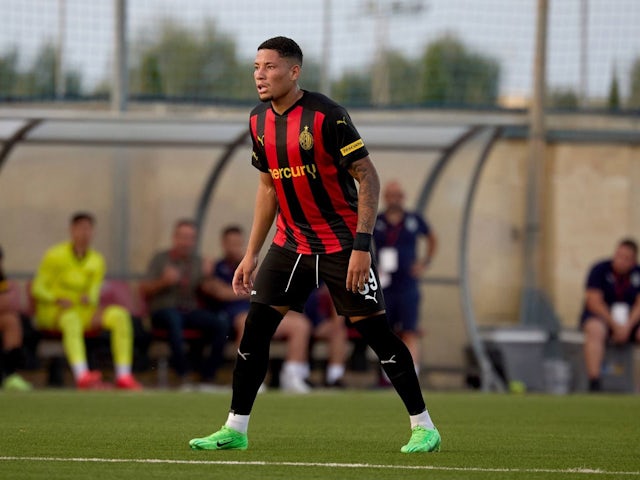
365,173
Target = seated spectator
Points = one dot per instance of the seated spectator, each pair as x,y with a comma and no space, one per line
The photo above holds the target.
11,331
331,328
612,306
294,327
171,289
66,290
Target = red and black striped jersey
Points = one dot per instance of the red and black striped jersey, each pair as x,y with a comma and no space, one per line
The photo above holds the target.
308,151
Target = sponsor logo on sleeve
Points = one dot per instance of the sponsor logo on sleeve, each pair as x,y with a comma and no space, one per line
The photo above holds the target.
352,147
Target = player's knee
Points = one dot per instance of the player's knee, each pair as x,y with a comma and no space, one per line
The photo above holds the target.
115,316
262,320
595,330
70,323
299,324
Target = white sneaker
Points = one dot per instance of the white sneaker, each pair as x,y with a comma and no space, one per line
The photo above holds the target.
293,384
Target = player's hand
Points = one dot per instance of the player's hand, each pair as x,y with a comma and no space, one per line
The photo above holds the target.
242,278
64,303
418,269
358,271
207,265
170,275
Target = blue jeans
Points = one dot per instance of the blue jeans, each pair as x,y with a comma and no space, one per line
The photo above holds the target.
213,327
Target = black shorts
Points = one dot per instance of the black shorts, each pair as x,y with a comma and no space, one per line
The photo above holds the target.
286,279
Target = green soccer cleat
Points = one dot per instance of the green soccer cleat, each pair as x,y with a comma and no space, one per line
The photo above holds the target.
224,439
16,383
422,440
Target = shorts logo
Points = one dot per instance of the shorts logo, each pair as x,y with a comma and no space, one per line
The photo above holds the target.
306,139
370,289
352,147
371,297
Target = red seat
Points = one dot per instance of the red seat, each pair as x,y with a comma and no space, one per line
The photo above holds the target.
188,334
57,334
14,297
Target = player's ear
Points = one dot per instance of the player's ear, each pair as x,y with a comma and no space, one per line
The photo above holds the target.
295,71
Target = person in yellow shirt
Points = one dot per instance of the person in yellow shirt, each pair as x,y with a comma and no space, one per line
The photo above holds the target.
66,290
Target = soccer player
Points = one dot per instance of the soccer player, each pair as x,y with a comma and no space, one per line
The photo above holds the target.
67,293
309,156
398,235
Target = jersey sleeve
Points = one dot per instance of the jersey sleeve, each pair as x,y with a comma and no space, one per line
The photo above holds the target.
156,266
41,288
342,139
423,226
595,279
95,283
218,270
258,157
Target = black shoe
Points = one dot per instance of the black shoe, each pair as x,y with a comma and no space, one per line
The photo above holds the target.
338,384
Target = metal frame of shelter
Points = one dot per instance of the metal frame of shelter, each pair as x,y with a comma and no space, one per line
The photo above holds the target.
231,135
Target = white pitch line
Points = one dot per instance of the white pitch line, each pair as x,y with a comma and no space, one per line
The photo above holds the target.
585,471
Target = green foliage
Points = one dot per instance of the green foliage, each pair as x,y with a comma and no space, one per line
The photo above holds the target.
8,72
39,80
634,98
453,75
447,74
613,100
354,88
566,99
404,79
182,63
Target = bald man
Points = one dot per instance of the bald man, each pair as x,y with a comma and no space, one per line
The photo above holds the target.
406,244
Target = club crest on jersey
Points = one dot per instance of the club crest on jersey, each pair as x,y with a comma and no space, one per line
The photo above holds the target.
306,139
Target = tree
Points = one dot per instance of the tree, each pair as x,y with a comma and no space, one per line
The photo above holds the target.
613,100
563,98
634,99
8,73
40,79
452,75
404,78
354,88
182,63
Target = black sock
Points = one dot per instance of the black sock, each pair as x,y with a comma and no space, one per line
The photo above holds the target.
594,385
11,359
253,356
395,359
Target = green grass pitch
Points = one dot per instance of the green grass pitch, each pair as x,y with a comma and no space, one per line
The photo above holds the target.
341,435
